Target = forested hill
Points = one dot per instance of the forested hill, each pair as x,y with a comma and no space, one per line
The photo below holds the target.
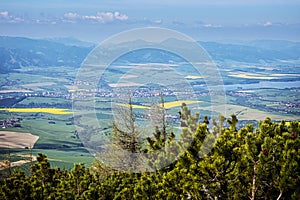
243,164
17,52
254,51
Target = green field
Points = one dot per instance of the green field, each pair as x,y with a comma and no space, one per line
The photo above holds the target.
58,138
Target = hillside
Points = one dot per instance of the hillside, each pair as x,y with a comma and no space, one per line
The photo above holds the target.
255,51
17,52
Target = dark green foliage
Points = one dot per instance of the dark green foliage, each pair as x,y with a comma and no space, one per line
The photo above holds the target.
240,164
17,186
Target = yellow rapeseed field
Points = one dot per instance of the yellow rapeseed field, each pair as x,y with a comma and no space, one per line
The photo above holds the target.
134,106
177,103
167,105
56,111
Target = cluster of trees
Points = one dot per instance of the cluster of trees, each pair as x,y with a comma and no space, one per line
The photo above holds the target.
248,163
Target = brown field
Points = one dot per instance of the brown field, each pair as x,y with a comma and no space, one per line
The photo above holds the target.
10,139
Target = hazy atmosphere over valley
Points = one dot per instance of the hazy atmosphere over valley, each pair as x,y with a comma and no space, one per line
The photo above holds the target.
155,99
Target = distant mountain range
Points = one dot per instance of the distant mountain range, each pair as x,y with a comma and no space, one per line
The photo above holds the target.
17,52
69,41
255,51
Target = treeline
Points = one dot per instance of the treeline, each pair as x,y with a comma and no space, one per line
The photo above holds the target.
44,105
9,102
248,163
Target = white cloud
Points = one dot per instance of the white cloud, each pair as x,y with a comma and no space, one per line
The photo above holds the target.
16,20
7,18
268,24
102,17
158,21
145,22
71,15
211,25
4,15
121,17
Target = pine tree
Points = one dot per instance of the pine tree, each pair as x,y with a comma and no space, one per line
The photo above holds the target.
241,164
126,140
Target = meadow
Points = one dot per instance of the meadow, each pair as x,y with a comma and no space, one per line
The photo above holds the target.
53,127
58,138
167,105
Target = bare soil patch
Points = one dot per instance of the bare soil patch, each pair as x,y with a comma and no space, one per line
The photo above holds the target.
9,139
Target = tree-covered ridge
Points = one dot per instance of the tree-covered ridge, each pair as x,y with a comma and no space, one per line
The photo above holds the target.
242,164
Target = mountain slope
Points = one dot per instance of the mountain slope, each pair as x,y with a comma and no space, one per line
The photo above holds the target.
256,51
17,52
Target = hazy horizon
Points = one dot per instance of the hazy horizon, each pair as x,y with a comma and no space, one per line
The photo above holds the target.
94,21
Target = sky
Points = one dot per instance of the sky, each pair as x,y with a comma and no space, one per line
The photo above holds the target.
96,20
